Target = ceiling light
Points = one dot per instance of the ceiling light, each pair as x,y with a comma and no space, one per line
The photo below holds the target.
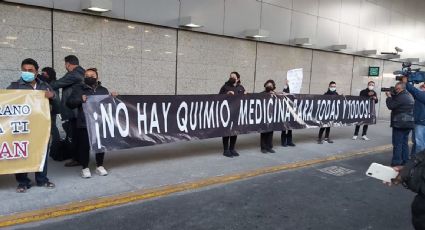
188,22
303,42
97,6
256,33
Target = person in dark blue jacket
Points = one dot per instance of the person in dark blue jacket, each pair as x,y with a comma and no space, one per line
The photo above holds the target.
419,115
29,81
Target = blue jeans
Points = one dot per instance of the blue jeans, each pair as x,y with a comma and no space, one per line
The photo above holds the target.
40,177
400,146
419,138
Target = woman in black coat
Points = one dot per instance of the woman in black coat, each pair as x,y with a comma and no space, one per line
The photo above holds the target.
266,138
231,87
90,86
286,135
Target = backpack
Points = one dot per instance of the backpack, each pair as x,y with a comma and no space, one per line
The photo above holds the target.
60,151
413,174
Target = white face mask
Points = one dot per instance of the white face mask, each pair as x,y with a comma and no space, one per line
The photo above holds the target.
332,89
285,87
371,87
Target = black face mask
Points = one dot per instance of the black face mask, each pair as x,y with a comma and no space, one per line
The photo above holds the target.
232,80
90,81
44,78
269,88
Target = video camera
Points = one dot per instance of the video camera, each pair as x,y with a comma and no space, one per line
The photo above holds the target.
413,75
390,89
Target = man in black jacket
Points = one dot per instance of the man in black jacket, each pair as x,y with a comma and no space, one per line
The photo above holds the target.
370,93
412,176
74,76
231,87
331,91
28,81
401,104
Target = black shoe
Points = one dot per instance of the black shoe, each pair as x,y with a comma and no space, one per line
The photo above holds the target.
72,163
329,140
23,188
271,151
227,153
264,151
234,153
291,144
284,145
319,141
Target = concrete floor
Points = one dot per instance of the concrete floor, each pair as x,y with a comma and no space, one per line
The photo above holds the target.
176,163
306,198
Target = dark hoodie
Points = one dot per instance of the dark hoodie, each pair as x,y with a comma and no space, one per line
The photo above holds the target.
238,89
331,93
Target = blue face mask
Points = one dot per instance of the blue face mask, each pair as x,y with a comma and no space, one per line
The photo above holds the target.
27,76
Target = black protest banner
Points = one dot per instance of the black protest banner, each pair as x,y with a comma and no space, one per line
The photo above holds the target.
134,121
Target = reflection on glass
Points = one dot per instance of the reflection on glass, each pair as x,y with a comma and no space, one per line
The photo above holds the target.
147,31
130,47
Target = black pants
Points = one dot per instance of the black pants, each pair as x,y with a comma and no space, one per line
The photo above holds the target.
328,130
83,147
356,131
226,145
418,212
70,127
286,137
266,140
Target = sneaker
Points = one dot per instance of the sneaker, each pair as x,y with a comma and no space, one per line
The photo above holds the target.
101,171
365,138
319,141
354,138
85,173
227,153
264,151
234,153
329,140
271,151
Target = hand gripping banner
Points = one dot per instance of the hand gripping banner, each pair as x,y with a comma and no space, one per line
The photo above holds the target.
24,130
135,121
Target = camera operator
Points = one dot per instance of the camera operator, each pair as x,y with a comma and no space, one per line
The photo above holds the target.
401,103
412,177
419,114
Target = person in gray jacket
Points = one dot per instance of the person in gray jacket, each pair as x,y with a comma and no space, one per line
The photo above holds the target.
74,76
29,81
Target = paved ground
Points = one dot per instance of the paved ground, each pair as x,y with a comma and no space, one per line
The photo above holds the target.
176,163
298,199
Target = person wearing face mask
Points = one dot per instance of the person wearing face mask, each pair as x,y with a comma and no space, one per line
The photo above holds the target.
74,76
368,92
80,92
231,87
286,135
266,138
401,104
327,130
29,81
48,75
419,113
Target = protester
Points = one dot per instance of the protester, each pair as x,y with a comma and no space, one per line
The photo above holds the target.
29,81
327,130
231,87
48,75
91,86
412,177
73,77
401,104
368,92
419,115
266,138
286,135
